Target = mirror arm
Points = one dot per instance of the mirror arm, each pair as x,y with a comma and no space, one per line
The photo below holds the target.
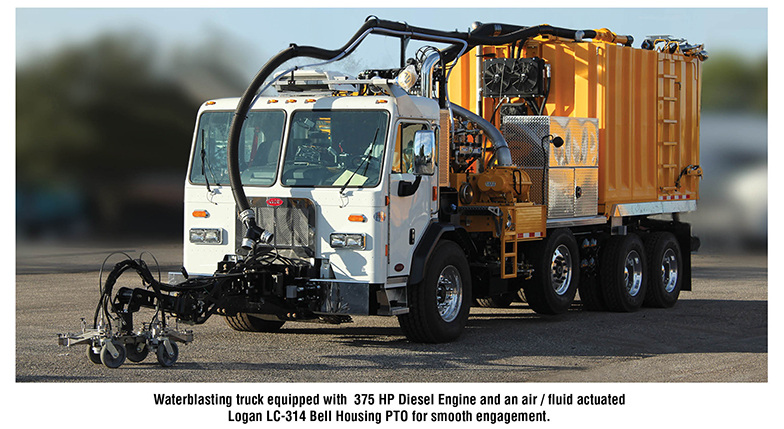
406,189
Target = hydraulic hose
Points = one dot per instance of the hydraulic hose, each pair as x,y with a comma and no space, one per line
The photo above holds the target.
240,114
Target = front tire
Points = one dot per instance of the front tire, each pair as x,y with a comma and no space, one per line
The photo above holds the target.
557,274
246,323
439,306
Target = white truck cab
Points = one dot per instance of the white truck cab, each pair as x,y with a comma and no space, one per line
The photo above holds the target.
322,174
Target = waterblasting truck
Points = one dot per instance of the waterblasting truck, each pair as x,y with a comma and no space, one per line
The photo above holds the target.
512,163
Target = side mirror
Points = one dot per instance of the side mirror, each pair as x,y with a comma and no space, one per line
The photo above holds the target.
424,145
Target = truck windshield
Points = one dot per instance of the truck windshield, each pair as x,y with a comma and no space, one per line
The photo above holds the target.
335,148
259,148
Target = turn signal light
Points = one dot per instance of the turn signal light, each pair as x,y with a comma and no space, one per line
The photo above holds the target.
200,213
357,218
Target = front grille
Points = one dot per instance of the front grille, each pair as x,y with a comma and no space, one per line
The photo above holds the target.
292,223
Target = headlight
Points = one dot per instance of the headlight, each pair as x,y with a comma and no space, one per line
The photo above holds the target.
206,236
347,241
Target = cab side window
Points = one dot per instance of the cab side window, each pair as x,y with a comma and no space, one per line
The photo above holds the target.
403,158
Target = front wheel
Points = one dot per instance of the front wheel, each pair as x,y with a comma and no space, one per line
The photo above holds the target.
247,323
439,306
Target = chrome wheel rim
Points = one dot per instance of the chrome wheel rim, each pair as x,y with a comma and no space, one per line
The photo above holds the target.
632,273
449,293
669,270
561,269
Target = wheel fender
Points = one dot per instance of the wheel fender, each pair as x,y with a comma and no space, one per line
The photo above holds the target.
434,233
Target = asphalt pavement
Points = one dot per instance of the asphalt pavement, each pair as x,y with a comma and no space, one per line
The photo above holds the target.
716,333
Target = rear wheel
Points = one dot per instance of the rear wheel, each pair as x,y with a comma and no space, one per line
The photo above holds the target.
439,306
664,270
591,294
622,273
248,323
555,281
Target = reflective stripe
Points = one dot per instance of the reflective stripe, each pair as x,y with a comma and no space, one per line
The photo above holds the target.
674,197
529,235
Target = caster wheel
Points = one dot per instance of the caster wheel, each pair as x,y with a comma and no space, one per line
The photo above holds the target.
93,356
137,352
113,361
166,359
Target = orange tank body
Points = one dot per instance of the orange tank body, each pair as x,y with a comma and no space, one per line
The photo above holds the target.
647,103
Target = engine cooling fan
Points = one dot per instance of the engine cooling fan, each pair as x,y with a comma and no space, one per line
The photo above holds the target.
514,77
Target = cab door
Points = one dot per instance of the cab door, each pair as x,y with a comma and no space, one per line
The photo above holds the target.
411,205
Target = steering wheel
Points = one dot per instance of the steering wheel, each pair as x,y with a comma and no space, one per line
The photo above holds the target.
370,163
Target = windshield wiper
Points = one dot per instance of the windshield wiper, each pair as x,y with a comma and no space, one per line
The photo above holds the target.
204,162
365,159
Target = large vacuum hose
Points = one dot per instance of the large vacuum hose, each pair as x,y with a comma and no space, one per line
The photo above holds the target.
502,153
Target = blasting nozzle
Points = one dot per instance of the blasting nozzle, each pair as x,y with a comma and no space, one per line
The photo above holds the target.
254,234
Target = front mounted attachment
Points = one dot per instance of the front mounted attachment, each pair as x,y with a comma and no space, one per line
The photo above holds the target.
113,348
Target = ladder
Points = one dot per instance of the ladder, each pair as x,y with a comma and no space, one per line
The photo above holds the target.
669,127
509,255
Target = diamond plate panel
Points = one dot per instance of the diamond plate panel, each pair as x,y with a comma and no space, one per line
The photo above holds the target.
558,167
524,135
536,191
561,193
587,180
581,143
